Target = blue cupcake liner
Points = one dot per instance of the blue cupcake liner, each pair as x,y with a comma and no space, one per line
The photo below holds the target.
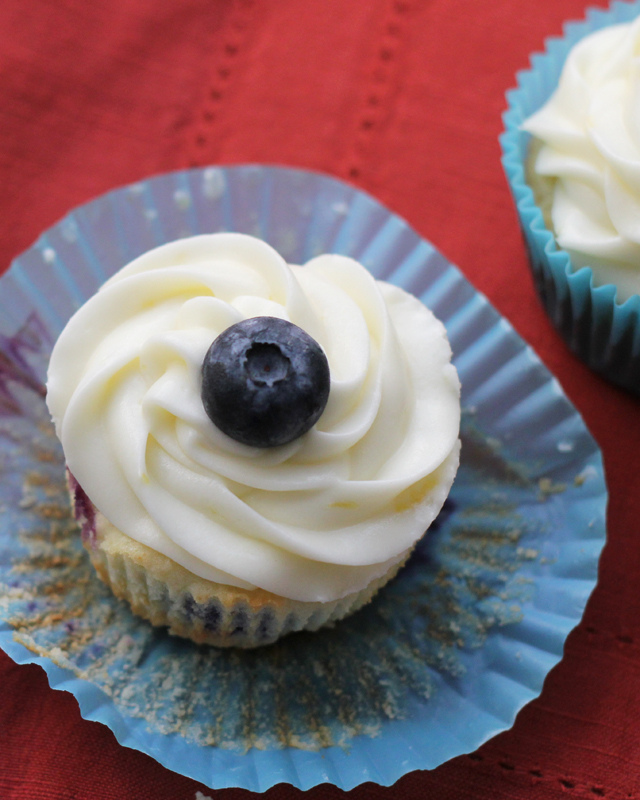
448,652
605,334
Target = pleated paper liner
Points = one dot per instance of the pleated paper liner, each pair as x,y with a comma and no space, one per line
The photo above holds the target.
605,334
447,653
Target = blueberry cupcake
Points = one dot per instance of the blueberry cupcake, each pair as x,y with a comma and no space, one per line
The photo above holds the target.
571,152
253,448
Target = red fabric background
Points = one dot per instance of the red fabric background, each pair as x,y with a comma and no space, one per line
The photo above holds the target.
402,97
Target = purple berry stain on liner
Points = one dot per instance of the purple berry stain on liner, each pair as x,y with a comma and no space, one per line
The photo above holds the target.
15,369
83,510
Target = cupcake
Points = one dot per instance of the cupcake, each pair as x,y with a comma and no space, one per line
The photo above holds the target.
253,448
572,156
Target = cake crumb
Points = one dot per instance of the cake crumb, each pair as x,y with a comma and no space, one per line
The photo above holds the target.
547,487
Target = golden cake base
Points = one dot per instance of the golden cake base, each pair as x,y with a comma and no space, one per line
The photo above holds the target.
166,594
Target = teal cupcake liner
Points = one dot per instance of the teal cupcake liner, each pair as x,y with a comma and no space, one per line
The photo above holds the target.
447,653
605,334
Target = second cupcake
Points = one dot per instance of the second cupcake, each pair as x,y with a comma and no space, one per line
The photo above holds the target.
572,156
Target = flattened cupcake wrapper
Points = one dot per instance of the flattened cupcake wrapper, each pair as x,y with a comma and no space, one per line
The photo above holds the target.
603,333
445,655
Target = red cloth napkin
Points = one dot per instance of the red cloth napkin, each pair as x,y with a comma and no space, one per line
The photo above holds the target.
403,98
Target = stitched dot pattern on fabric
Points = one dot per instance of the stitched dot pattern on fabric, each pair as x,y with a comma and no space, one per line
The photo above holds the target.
566,784
621,641
382,83
224,63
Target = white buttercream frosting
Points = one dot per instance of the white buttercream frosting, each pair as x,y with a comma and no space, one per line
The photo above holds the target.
312,520
590,130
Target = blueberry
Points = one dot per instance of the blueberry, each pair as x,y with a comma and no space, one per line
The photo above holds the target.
265,381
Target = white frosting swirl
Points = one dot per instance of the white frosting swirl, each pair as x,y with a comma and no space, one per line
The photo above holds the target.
590,129
312,520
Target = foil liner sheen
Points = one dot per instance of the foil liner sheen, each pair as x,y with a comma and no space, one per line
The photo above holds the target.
448,652
599,330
